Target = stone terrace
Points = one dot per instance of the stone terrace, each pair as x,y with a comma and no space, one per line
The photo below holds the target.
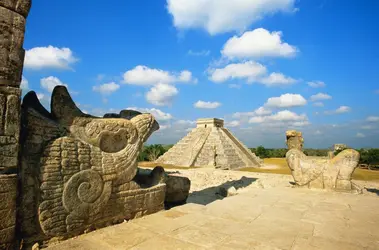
274,218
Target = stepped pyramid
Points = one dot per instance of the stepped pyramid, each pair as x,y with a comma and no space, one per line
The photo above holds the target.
210,145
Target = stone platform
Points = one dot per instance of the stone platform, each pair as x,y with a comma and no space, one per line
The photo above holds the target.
275,218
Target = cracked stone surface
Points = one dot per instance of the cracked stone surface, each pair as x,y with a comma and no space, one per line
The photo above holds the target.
261,217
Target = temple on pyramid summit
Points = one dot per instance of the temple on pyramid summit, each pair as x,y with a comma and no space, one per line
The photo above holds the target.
210,144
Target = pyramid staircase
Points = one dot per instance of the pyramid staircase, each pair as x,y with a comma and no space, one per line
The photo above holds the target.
210,145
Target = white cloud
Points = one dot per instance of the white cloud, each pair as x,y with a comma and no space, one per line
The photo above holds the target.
164,127
284,117
318,104
276,79
24,83
286,101
145,76
233,124
206,105
185,122
316,84
49,57
256,44
318,132
218,16
48,83
373,119
185,76
157,113
199,53
340,110
320,97
161,94
248,70
360,135
343,109
367,127
106,88
261,111
40,96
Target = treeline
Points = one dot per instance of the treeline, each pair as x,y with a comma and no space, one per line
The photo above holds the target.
263,152
368,156
153,151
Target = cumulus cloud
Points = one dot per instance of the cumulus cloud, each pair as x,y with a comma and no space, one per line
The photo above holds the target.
340,110
185,122
286,101
106,88
276,79
233,124
206,105
161,94
49,57
280,118
48,83
316,84
320,97
373,119
24,83
248,70
145,76
219,16
256,44
261,111
157,113
199,53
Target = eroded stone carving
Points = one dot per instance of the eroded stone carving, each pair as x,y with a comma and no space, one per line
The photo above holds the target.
79,172
324,173
294,139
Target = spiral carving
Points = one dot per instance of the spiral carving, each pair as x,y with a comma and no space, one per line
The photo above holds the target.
85,194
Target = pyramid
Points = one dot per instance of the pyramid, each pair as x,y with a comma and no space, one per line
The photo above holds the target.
210,145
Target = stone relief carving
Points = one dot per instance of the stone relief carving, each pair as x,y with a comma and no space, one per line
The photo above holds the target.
79,172
321,173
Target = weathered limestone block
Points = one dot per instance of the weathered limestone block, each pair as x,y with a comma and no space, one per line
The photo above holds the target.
324,173
13,15
294,139
79,172
177,187
8,194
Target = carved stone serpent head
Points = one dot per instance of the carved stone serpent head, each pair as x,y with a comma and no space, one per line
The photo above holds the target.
111,135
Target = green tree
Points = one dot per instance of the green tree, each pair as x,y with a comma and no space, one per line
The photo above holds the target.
262,152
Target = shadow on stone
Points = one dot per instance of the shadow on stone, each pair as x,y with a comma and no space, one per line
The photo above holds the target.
373,190
211,194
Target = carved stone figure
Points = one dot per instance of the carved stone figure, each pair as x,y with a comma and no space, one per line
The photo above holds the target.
294,139
78,172
324,173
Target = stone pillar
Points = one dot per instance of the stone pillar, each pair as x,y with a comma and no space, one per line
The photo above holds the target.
294,140
13,15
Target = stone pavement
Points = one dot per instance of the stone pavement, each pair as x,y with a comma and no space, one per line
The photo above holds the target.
275,218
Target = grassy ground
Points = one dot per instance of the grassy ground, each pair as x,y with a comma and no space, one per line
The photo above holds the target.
359,174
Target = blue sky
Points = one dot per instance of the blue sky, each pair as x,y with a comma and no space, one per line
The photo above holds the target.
264,66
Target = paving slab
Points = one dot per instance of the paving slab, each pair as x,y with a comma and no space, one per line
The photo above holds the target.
274,218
